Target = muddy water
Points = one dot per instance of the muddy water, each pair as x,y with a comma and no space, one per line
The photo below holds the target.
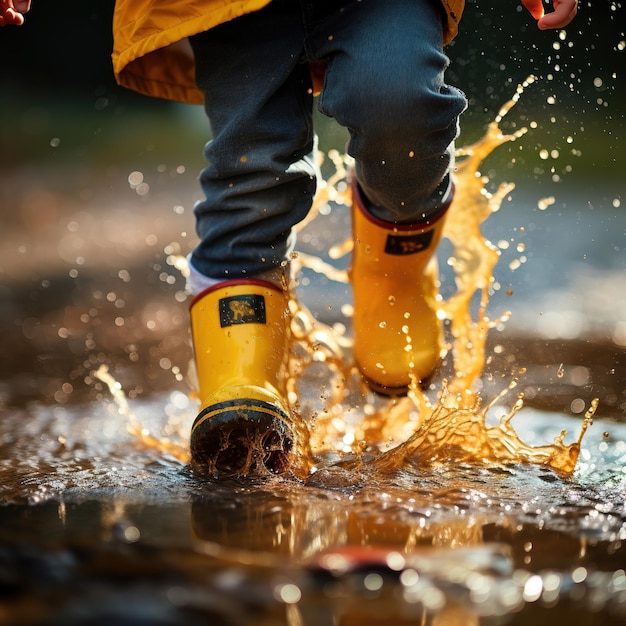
95,528
101,519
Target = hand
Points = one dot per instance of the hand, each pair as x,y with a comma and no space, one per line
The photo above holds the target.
11,11
564,12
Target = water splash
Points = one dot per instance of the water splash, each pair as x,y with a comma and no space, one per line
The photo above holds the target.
177,449
446,423
453,427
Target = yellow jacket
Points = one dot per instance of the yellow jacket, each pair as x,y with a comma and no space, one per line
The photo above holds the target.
151,53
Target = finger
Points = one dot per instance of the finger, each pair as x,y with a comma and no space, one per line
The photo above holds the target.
11,17
563,14
23,6
535,7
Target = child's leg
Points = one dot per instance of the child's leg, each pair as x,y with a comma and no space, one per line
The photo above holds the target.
260,178
259,182
385,83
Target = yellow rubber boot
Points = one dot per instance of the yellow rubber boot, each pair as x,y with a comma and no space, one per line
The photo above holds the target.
240,336
397,334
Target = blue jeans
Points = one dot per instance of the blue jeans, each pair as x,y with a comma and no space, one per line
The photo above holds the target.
384,82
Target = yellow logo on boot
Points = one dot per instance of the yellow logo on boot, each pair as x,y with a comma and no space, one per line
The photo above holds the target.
243,309
408,244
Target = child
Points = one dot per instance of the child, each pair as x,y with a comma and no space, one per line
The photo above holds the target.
255,65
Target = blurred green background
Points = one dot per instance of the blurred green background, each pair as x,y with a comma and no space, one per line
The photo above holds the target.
56,84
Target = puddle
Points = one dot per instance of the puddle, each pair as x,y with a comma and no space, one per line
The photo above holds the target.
92,525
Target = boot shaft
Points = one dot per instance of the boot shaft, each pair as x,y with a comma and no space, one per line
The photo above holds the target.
397,334
240,336
390,248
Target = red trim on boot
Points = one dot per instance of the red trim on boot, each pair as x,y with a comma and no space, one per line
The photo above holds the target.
233,283
399,226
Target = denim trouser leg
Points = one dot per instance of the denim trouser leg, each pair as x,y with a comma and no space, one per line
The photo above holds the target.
261,178
384,82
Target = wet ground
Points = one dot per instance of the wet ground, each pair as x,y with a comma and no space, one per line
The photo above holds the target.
106,532
97,527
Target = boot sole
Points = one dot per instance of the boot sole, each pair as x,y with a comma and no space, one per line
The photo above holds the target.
385,390
399,390
242,437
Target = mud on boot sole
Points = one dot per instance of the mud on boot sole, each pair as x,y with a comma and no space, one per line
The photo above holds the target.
242,437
